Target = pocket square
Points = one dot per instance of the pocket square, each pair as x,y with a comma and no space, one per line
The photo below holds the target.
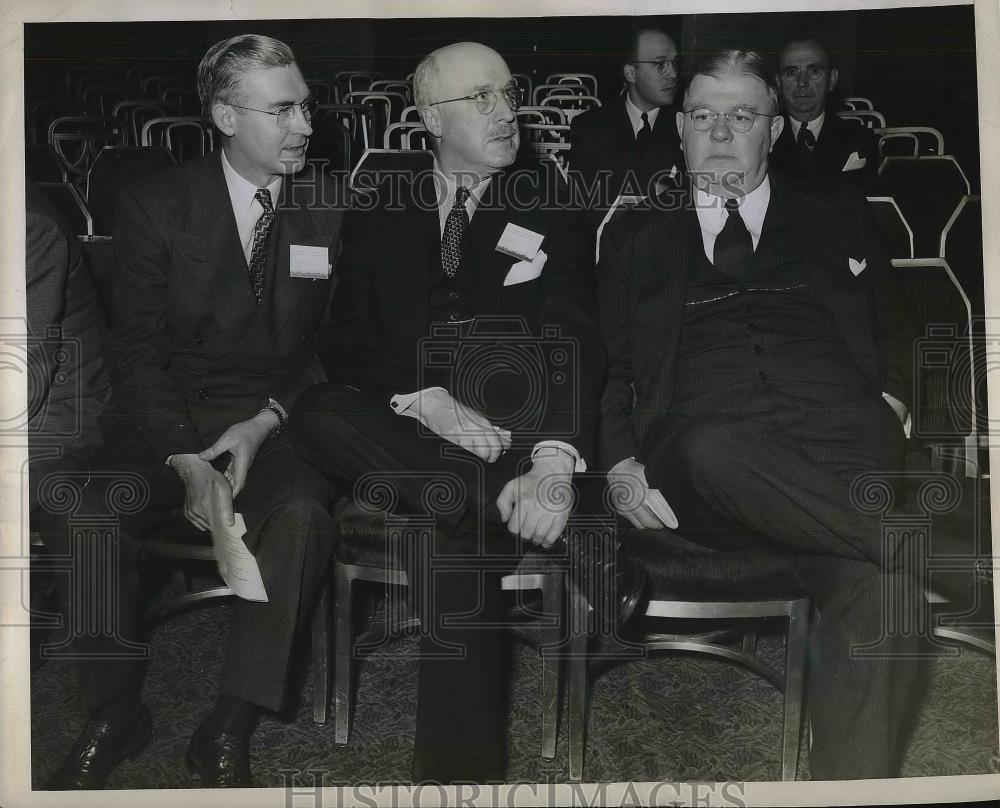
854,162
857,267
524,271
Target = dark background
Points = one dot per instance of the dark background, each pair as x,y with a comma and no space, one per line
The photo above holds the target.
917,64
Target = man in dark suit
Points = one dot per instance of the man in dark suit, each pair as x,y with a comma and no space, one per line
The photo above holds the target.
221,279
816,142
755,370
631,145
454,329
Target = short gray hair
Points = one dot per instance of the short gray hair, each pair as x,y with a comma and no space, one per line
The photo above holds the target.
224,64
426,79
735,63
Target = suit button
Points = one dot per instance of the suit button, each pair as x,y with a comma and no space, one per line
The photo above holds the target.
198,339
453,295
304,338
203,394
452,317
757,349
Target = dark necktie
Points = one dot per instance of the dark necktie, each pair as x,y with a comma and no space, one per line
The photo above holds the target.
806,144
261,235
454,232
644,136
733,251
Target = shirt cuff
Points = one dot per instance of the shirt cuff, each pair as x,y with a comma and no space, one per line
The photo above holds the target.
402,403
558,445
284,412
908,423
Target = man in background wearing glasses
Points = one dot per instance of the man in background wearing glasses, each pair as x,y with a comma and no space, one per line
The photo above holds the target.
221,278
628,145
755,370
815,142
463,358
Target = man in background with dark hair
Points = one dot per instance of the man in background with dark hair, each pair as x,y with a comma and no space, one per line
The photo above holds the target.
629,146
815,141
221,278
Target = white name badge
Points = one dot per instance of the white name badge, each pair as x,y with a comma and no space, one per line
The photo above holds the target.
309,262
519,242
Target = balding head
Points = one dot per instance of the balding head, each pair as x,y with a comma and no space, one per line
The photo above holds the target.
467,139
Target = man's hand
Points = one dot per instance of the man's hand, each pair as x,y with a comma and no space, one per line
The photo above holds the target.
537,505
241,440
202,486
631,497
463,426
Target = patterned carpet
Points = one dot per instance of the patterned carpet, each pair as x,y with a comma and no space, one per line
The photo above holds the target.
668,716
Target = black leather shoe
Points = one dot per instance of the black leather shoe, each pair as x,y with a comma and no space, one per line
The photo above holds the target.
221,761
630,581
611,579
100,747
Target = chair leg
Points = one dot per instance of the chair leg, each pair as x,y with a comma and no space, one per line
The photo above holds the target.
321,656
577,684
750,643
795,660
343,651
552,667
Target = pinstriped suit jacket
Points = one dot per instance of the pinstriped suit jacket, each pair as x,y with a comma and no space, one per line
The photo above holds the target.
645,256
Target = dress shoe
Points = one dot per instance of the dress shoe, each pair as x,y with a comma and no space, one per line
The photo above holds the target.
221,760
611,579
100,747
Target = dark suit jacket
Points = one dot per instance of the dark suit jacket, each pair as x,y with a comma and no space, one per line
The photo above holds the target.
837,141
380,312
602,138
642,285
193,353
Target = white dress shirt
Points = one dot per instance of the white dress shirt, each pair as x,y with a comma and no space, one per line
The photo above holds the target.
635,115
246,208
712,214
815,126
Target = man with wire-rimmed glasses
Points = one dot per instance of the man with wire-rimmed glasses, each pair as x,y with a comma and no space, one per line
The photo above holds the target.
816,142
756,369
222,274
630,146
463,352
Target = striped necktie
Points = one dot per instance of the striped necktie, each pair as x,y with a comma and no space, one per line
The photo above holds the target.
261,236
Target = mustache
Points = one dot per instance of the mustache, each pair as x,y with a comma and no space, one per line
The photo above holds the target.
503,131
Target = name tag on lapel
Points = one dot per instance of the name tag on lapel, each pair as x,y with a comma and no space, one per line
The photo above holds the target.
519,242
309,262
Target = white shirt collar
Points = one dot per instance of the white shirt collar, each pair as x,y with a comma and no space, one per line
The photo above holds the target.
635,115
446,187
246,209
815,126
712,214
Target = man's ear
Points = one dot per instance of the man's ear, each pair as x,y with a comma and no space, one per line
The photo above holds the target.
680,127
431,120
777,127
834,75
224,118
629,72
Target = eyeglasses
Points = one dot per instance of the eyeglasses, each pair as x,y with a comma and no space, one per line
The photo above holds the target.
486,100
792,72
739,120
284,114
660,65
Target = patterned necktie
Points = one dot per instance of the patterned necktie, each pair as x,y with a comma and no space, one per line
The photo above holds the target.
454,232
733,251
261,235
806,144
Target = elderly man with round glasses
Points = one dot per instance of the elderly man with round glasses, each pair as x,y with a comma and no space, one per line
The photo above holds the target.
815,142
217,301
463,352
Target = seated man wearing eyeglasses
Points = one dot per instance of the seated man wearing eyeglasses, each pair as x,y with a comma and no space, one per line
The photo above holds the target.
629,146
465,366
815,142
756,369
221,279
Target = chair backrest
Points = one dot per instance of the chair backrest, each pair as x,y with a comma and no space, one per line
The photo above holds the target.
962,248
927,190
398,135
42,164
859,102
184,97
331,144
868,117
572,105
43,111
544,133
589,80
134,113
892,225
71,206
352,81
548,114
543,91
523,80
356,117
403,88
114,168
375,164
914,140
78,138
320,90
183,135
410,113
948,386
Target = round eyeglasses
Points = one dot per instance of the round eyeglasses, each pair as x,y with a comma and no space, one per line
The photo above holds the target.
486,100
739,120
813,72
661,66
285,114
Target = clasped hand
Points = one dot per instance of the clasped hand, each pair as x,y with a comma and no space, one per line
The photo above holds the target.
536,506
450,419
631,497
